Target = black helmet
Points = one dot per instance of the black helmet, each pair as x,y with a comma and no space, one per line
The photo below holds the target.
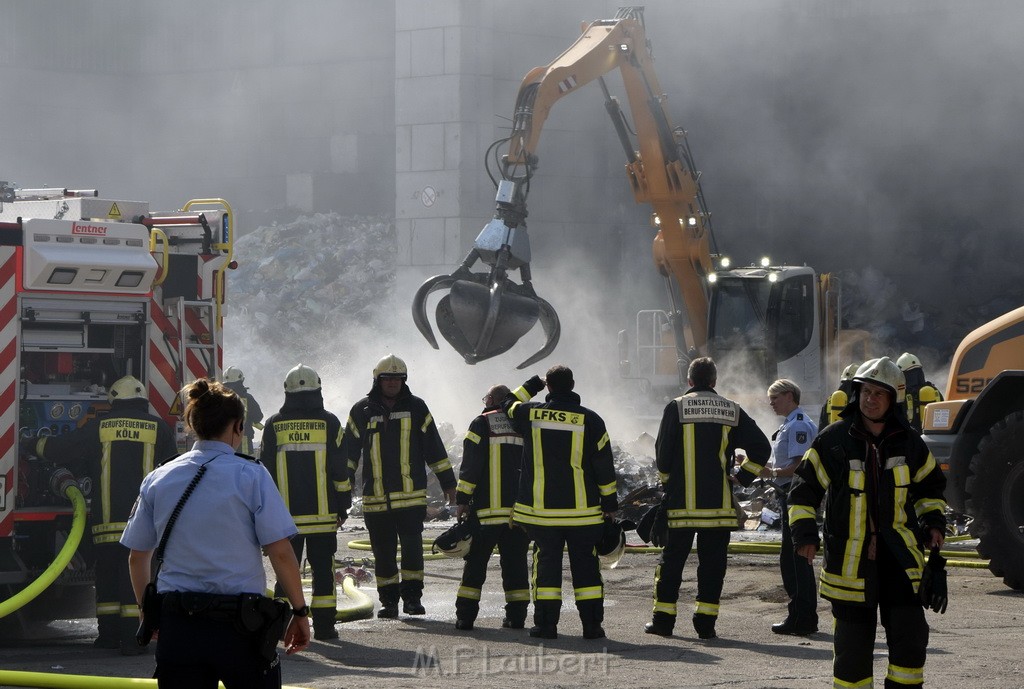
653,526
455,542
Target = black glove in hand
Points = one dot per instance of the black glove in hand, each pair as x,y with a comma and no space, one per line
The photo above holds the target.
534,385
934,590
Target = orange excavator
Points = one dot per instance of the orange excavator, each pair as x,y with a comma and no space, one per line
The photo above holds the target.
784,320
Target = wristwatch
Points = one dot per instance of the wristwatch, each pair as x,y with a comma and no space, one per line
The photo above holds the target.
775,473
301,612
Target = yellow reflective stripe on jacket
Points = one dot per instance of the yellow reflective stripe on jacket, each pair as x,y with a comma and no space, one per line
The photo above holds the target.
926,468
538,469
426,422
925,505
689,468
465,487
438,467
819,469
522,395
404,442
494,473
579,486
607,488
798,512
473,437
842,588
342,486
602,442
524,514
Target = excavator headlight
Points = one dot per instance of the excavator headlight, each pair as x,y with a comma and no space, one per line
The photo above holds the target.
656,219
712,277
692,221
725,262
773,277
765,261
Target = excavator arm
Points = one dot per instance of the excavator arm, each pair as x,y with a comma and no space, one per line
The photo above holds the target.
486,313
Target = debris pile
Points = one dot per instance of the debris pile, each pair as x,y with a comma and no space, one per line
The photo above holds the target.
318,272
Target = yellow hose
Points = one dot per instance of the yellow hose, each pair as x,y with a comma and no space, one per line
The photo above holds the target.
13,678
362,607
27,594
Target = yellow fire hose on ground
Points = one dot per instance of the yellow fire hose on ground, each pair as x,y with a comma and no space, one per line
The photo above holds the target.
12,678
63,483
954,558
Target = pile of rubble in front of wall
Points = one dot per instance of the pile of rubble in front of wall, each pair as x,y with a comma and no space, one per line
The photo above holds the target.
316,274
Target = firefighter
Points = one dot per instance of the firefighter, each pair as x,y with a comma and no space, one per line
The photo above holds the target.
699,434
838,400
883,499
394,434
488,479
566,490
115,451
920,392
234,380
301,449
789,443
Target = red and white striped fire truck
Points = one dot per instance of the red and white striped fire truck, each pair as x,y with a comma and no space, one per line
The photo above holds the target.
93,289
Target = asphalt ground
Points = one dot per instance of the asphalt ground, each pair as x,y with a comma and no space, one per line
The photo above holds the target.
977,643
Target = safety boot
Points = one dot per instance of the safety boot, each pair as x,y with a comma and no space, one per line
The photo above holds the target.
593,631
388,611
413,607
704,625
513,623
661,624
463,624
544,632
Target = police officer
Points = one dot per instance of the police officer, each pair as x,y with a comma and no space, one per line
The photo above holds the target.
883,498
920,392
789,443
488,480
394,434
234,380
302,450
115,450
699,434
213,554
838,400
566,490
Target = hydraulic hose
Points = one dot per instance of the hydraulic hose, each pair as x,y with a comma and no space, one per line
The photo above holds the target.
13,678
63,483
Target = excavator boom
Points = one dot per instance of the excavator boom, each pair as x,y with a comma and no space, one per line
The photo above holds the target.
487,312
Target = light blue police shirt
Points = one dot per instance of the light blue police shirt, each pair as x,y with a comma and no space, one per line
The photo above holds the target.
215,544
791,441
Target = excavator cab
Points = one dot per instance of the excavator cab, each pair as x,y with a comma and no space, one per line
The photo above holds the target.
484,314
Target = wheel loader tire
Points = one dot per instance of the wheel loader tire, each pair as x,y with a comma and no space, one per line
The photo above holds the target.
995,496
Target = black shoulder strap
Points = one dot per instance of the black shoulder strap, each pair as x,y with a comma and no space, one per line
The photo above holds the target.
174,517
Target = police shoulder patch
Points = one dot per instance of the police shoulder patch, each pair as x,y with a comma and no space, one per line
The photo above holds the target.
801,437
799,417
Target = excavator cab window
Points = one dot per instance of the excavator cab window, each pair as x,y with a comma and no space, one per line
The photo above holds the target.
738,314
794,316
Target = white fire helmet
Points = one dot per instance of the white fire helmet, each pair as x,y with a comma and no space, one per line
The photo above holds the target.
849,372
390,365
908,361
127,388
456,541
301,379
885,373
233,374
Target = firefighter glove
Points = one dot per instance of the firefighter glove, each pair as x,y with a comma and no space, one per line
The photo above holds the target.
534,385
934,591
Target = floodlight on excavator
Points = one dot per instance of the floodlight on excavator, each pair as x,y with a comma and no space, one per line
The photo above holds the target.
485,313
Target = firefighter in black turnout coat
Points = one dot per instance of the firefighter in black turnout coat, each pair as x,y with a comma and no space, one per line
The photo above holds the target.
301,449
492,457
699,433
393,432
234,380
566,490
883,498
116,451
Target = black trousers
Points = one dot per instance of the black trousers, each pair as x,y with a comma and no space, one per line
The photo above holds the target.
194,653
320,550
713,546
588,587
797,577
513,544
387,530
906,631
117,613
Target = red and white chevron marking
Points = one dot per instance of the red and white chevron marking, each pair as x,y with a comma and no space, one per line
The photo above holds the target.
8,386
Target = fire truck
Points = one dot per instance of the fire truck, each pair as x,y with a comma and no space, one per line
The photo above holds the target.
91,289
